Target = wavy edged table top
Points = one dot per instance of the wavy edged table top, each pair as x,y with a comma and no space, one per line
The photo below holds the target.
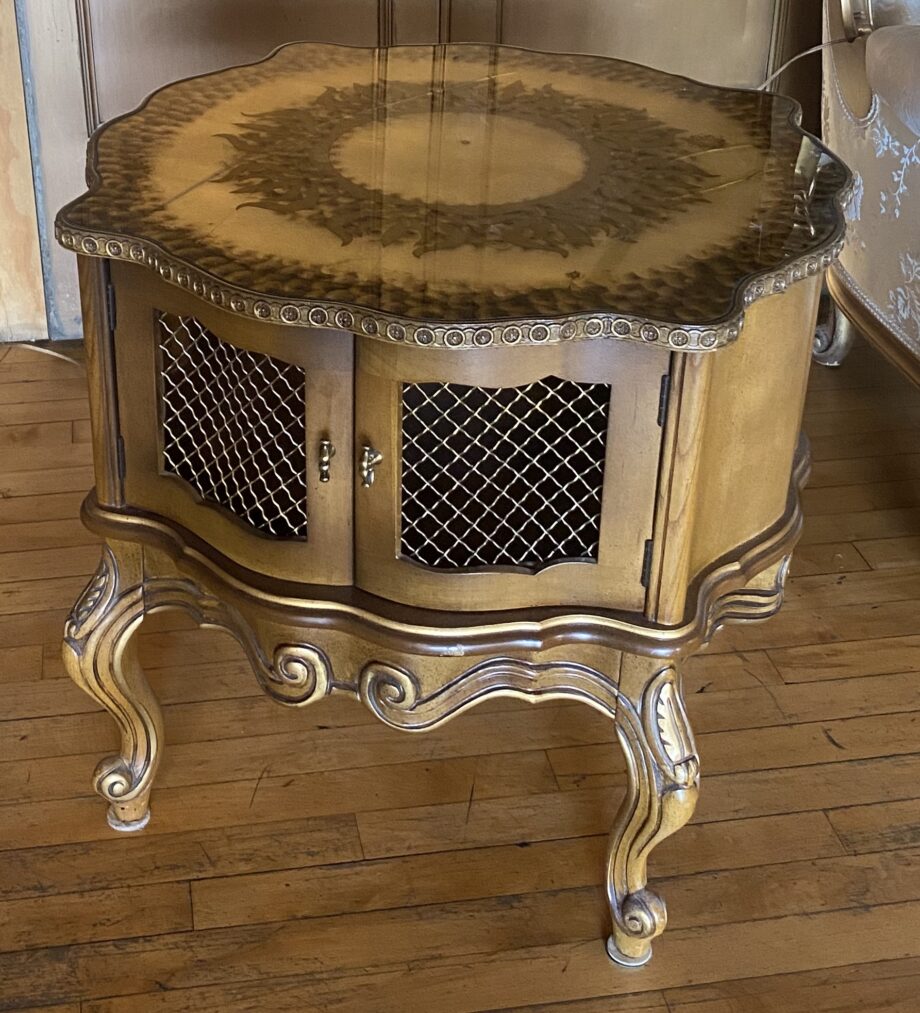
465,195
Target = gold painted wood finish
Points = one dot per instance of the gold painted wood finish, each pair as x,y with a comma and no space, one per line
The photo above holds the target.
633,442
325,556
261,477
367,206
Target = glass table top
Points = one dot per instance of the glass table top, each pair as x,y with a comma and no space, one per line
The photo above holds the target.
462,195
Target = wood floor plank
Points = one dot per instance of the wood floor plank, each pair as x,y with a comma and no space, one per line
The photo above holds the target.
878,826
25,596
34,434
873,587
711,898
824,558
651,1003
65,919
888,553
822,625
70,478
20,664
29,628
69,455
748,794
861,526
827,700
260,800
82,432
40,535
890,985
39,366
872,444
118,860
44,411
70,1007
74,561
860,470
753,748
842,424
842,499
52,506
576,969
30,352
814,662
740,670
43,390
868,399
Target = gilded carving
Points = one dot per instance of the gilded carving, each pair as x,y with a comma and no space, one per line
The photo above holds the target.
656,737
667,729
99,654
663,785
95,597
393,693
299,675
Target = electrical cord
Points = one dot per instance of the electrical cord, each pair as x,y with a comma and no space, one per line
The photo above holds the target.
789,63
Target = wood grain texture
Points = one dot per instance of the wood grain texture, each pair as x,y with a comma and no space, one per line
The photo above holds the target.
312,860
22,298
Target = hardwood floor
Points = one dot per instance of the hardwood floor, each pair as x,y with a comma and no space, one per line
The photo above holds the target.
316,860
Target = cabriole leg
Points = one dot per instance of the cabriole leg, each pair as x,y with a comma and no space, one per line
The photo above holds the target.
663,769
101,658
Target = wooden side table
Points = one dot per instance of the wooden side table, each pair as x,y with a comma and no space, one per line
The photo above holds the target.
440,373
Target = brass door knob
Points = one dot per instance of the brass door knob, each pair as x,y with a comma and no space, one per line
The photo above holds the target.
370,458
326,453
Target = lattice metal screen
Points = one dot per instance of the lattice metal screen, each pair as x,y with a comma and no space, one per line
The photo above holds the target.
508,476
234,426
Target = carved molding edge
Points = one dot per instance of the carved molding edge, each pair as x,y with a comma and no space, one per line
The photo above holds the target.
707,603
394,329
749,604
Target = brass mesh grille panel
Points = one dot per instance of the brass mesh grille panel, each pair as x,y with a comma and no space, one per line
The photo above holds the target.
508,476
234,426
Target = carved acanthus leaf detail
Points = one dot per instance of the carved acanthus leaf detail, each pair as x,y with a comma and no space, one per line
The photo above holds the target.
668,729
94,599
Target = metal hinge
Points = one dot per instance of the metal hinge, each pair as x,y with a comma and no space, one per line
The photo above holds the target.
120,457
110,314
647,563
663,395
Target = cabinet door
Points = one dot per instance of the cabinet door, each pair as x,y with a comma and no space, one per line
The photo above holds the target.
225,421
508,477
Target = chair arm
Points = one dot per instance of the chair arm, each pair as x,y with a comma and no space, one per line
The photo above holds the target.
893,70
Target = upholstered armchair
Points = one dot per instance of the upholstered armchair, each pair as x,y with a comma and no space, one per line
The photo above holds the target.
872,120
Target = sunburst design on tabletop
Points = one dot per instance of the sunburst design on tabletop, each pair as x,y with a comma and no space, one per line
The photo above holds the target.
638,171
